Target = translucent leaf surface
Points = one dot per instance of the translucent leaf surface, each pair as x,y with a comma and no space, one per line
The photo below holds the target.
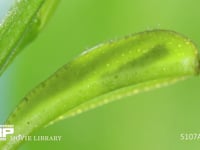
107,72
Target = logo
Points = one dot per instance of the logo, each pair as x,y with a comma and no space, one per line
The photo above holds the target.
6,130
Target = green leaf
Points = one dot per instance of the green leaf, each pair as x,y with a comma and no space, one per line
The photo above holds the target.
107,72
23,23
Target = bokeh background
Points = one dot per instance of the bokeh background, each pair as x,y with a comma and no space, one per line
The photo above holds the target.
149,121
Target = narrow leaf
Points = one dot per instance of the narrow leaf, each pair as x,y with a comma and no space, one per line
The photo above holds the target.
24,21
107,72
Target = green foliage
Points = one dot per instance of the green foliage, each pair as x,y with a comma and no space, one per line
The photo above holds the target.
100,75
104,73
24,21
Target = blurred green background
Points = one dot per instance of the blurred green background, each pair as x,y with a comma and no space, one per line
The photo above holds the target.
149,121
